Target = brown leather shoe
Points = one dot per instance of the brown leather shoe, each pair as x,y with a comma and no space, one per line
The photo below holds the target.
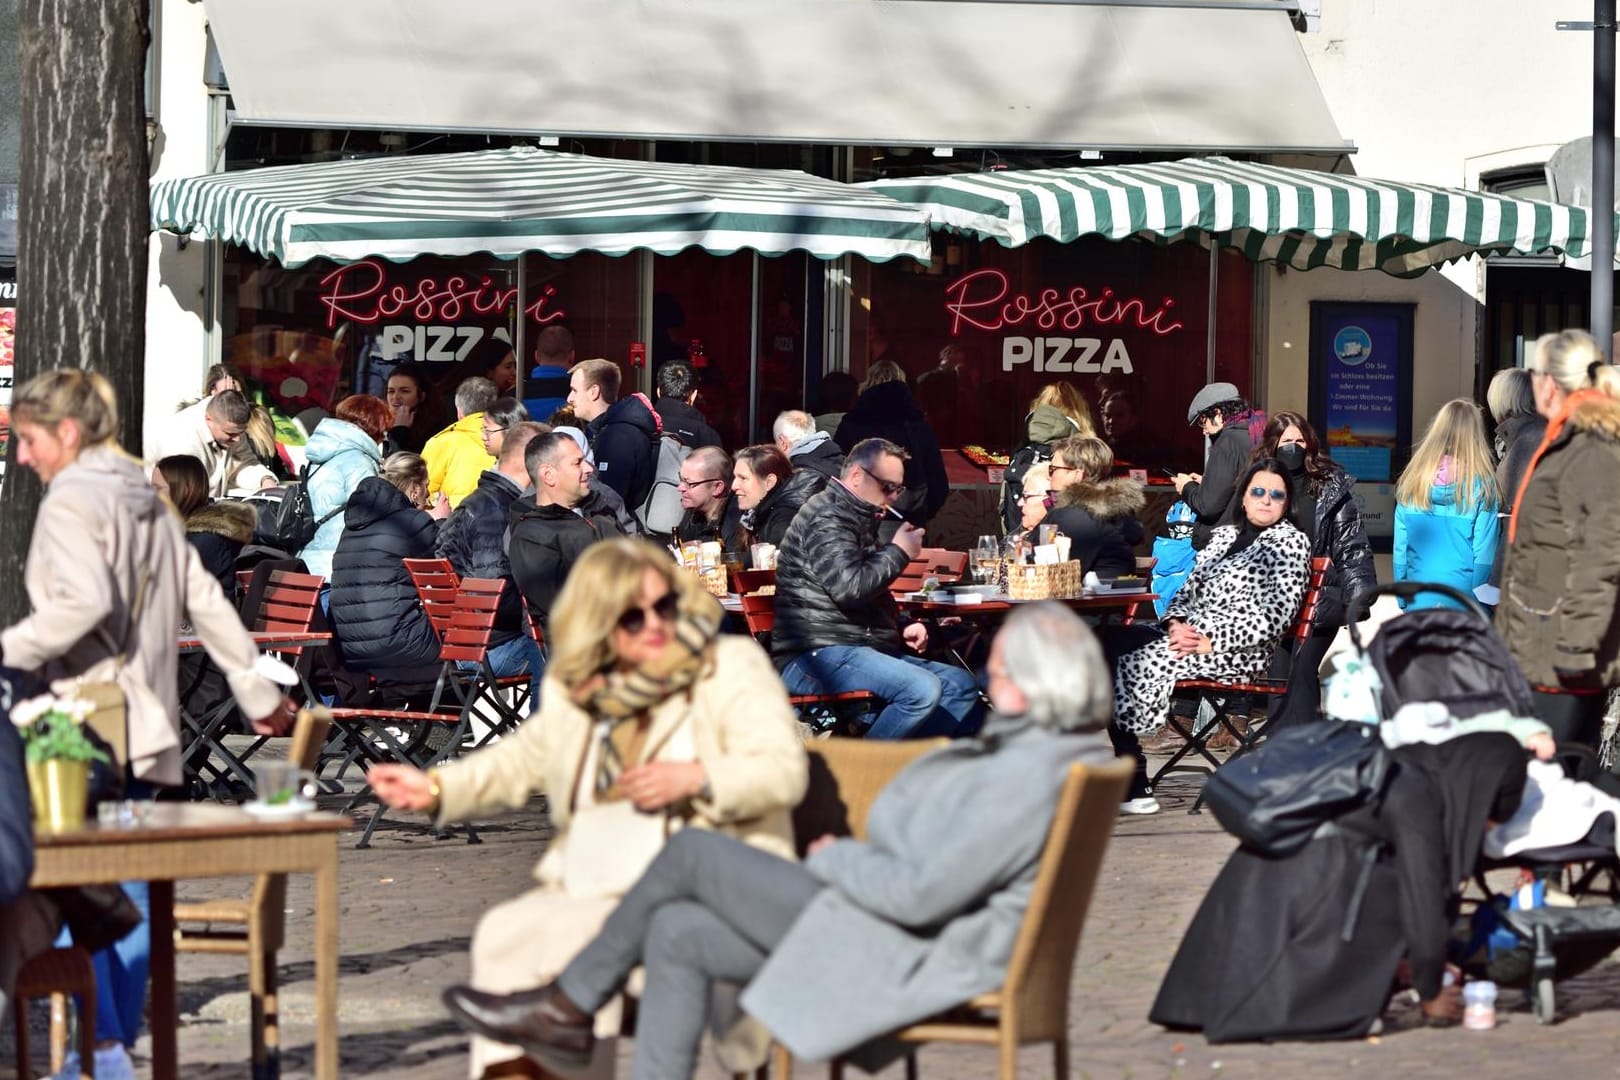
543,1022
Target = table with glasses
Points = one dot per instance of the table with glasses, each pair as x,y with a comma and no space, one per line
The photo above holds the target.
192,840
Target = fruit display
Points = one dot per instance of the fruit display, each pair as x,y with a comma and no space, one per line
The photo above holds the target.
982,457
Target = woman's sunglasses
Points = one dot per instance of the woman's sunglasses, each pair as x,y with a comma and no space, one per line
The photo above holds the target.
1276,494
635,620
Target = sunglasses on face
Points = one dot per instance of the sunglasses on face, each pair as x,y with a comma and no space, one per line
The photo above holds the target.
890,489
635,620
1261,493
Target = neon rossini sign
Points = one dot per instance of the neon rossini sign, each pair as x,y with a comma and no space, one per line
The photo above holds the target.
360,293
984,300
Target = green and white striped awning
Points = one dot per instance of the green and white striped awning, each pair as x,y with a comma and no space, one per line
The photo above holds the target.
1298,217
518,200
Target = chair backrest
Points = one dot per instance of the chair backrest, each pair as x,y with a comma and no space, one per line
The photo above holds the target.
759,612
467,634
845,778
1035,994
1313,597
536,631
1146,563
747,581
289,604
944,563
436,584
270,890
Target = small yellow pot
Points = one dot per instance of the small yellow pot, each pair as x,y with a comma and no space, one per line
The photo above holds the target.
60,790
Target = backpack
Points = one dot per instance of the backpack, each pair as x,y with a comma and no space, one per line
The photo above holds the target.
1012,480
661,511
290,524
1175,554
1274,797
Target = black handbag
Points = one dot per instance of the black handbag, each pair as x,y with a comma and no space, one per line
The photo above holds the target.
1274,797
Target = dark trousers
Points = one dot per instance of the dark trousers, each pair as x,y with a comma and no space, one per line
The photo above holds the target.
1116,642
709,909
1301,702
1574,718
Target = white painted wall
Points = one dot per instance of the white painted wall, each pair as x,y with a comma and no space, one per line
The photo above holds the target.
1431,91
177,346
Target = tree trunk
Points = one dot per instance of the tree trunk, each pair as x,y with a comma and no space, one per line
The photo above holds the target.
82,225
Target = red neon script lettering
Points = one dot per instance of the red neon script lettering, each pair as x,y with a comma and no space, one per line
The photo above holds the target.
980,299
360,293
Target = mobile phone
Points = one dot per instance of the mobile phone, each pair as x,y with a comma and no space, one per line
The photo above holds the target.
1171,473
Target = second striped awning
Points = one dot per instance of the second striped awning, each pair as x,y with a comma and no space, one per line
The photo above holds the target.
1298,217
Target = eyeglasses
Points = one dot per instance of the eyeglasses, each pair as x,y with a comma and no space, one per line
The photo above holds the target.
1062,468
683,482
1025,496
635,620
1276,495
890,489
488,430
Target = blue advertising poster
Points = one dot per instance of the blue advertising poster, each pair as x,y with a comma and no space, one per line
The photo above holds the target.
1361,391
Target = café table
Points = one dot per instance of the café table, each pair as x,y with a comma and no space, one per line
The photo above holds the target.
192,840
1088,604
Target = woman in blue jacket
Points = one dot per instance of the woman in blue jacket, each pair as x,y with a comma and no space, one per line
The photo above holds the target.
1446,506
344,449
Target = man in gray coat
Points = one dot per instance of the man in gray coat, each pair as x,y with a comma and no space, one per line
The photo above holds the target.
921,916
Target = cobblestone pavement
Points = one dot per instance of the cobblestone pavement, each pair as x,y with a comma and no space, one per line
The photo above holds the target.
410,902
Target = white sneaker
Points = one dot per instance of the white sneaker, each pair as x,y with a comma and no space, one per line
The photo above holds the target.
1147,804
112,1063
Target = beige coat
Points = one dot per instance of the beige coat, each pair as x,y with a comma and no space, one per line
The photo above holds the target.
739,721
100,526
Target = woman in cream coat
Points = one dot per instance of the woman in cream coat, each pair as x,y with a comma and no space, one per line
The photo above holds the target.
649,722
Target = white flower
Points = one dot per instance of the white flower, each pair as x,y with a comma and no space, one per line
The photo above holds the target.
24,713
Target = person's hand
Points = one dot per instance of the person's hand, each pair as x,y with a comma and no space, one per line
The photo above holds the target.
279,720
401,787
403,415
1542,745
916,636
1181,480
825,840
269,482
658,784
1184,639
909,539
441,508
1446,1007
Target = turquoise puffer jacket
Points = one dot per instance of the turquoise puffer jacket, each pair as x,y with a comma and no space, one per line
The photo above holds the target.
340,456
1447,543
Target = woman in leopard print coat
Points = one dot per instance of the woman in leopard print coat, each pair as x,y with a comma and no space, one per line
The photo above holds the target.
1226,620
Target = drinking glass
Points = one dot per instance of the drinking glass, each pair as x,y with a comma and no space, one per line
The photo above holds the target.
983,557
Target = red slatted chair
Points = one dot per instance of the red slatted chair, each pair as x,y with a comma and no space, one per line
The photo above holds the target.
437,586
759,612
1258,688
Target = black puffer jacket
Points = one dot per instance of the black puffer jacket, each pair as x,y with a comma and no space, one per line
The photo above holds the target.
768,522
547,540
473,538
219,531
887,412
1100,521
832,579
1340,535
376,617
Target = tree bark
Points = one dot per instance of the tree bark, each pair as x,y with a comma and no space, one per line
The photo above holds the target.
82,225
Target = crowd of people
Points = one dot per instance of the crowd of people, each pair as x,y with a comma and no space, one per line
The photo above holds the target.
666,745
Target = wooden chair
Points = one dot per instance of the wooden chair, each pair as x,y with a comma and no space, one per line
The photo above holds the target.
57,973
1032,1005
846,776
254,927
436,584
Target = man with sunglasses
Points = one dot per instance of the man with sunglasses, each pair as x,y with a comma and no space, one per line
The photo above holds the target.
554,526
711,509
838,628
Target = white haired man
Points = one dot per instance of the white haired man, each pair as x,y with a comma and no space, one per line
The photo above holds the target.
921,916
806,447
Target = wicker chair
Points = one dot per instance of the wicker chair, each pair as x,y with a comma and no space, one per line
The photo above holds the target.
57,972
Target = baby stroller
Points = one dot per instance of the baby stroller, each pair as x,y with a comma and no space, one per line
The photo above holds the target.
1455,658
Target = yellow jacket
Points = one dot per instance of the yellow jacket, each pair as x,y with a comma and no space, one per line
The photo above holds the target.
456,458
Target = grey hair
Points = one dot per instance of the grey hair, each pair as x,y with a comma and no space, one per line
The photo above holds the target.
1055,661
475,395
868,452
794,425
1510,394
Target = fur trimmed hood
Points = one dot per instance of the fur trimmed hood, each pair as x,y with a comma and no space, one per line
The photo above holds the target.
1106,499
1597,414
231,520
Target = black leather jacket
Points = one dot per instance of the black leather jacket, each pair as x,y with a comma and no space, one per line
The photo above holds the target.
473,538
832,579
1341,536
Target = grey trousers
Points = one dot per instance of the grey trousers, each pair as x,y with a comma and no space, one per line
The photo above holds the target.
709,909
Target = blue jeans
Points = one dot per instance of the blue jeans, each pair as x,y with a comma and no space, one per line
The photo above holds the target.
921,699
519,656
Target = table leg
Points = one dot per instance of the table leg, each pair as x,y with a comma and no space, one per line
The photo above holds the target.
326,961
165,1014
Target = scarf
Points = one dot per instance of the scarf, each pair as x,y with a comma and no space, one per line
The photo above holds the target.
1574,401
621,695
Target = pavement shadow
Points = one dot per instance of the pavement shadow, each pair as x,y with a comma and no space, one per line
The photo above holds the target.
195,993
365,1053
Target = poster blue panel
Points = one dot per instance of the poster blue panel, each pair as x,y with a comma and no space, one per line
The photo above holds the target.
1362,401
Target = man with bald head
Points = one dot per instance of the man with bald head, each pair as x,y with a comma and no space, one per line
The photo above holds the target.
711,509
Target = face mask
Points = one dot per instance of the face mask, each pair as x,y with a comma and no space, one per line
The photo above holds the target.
1292,456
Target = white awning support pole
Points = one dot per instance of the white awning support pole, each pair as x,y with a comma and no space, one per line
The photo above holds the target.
1214,297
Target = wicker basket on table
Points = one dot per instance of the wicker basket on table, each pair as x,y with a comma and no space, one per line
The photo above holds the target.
713,579
1050,581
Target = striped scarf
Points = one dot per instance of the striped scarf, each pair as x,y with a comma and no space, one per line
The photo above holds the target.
621,695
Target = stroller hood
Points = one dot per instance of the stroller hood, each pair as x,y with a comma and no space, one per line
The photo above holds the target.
1453,657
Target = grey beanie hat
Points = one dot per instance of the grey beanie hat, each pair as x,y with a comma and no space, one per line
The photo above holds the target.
1213,394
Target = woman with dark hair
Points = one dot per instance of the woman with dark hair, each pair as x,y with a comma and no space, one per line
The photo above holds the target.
770,492
1223,623
218,530
345,449
1327,513
492,359
222,377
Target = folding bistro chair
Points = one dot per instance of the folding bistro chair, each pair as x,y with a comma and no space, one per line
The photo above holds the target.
1254,690
379,734
56,973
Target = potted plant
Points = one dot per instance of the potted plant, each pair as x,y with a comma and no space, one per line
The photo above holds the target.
58,753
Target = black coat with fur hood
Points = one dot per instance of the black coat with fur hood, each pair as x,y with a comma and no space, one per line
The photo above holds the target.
1099,518
219,531
1560,608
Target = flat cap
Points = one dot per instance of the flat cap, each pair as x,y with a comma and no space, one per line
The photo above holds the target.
1213,394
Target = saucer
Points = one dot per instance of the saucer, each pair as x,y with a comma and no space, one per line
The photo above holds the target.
269,811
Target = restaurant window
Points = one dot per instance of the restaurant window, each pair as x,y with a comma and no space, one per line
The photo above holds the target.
983,328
